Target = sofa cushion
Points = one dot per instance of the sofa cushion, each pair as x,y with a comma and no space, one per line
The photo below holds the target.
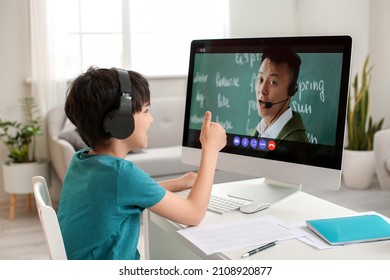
60,150
69,133
168,119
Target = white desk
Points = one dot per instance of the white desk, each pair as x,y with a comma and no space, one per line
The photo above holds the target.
163,242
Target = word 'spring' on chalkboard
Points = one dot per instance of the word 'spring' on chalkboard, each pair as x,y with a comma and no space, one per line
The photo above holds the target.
312,86
226,82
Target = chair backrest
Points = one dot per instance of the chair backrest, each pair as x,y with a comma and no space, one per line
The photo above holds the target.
49,220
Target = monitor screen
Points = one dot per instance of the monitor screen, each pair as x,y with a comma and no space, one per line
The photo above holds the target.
282,102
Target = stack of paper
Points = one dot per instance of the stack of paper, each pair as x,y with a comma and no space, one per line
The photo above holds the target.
239,234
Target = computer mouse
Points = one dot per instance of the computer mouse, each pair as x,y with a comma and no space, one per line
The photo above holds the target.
254,207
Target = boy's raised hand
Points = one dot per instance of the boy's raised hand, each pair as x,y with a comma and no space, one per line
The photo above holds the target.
212,135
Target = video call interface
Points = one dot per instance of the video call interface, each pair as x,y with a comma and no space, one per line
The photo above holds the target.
224,76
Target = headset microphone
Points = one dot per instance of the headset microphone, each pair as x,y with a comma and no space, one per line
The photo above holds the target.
269,104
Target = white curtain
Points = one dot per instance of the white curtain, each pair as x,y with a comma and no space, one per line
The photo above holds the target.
46,87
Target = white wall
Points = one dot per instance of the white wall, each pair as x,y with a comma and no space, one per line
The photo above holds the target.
379,41
366,21
251,18
304,17
15,64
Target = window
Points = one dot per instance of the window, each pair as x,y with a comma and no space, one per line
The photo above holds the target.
149,36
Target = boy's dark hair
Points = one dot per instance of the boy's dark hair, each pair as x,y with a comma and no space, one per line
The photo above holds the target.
284,55
95,93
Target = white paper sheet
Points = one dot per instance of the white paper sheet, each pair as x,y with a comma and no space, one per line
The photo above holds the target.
311,238
239,234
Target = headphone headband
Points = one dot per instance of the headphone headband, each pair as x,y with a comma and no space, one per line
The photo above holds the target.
124,82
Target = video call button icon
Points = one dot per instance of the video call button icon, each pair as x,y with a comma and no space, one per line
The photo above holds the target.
245,142
262,144
236,141
253,143
271,145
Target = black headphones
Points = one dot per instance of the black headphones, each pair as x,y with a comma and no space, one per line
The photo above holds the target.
120,122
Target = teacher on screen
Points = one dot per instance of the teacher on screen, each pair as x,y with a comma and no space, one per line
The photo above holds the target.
276,84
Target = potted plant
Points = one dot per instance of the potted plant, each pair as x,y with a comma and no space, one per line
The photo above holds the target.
359,161
20,140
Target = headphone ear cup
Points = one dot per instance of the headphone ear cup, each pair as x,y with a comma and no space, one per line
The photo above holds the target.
120,123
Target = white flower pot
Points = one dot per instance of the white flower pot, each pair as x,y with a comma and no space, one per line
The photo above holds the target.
17,176
358,168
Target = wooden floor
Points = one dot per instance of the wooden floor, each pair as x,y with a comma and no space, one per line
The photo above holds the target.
23,238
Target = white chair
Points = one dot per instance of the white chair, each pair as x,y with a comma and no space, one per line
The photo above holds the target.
49,220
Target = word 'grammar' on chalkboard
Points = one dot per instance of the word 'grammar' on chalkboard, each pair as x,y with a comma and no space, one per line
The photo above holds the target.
224,83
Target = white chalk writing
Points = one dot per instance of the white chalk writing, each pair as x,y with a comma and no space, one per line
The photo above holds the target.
227,125
223,101
253,82
196,119
247,58
318,86
200,98
200,78
301,108
252,106
312,138
226,82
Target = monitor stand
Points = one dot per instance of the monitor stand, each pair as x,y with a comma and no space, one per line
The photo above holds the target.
265,190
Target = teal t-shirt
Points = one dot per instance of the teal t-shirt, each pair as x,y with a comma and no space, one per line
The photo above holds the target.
100,207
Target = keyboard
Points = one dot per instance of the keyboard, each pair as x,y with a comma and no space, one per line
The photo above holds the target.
219,204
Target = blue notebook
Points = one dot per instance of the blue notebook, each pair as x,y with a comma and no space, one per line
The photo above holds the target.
351,229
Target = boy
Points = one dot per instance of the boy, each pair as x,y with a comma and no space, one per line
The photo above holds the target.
103,194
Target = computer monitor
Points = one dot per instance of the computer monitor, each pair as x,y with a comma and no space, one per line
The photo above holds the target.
223,77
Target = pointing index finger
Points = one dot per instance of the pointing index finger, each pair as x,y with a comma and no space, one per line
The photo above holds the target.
207,120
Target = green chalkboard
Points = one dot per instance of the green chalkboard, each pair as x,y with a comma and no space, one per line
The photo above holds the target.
225,84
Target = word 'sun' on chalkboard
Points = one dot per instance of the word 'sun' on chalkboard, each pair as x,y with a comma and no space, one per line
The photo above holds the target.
225,85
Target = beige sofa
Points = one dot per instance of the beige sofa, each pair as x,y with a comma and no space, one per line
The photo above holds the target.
161,158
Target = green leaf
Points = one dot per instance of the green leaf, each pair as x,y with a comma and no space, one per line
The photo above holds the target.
361,127
19,137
